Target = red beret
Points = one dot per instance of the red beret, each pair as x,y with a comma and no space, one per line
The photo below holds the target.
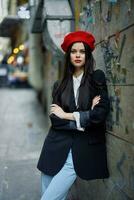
78,36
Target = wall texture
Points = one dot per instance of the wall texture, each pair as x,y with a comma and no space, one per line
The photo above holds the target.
113,26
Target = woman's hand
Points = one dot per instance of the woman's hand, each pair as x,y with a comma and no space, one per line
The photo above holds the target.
57,110
95,101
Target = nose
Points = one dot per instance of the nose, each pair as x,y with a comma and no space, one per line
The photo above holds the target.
77,54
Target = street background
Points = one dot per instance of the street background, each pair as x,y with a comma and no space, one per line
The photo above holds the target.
22,131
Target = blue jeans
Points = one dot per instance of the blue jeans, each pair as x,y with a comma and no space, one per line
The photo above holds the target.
57,187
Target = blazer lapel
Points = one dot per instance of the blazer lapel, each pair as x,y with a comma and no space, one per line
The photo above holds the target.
72,98
84,100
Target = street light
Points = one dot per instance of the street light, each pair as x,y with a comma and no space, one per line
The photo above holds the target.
16,50
21,47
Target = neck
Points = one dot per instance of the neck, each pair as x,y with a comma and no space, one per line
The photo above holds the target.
77,73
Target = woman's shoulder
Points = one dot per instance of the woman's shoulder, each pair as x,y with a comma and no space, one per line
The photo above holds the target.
56,84
99,77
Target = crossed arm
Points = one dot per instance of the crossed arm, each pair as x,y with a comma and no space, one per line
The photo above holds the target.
96,115
59,112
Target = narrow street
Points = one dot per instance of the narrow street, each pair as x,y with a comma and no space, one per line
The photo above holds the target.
22,132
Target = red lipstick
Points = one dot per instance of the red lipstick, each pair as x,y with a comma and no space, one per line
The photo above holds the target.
77,61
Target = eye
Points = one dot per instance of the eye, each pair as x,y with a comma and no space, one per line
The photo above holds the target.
73,51
82,51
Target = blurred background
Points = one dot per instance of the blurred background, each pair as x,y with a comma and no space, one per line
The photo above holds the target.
31,60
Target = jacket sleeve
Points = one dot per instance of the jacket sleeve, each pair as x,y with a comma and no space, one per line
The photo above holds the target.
62,124
57,122
99,113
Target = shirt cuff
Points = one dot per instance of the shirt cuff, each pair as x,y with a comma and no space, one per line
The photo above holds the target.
77,119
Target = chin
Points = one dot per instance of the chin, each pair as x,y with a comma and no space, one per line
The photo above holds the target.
79,66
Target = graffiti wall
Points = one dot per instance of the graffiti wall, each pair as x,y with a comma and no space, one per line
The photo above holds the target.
112,23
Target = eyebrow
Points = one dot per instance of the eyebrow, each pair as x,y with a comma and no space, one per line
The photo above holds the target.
76,49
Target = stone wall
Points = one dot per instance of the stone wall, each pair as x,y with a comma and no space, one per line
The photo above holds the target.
113,26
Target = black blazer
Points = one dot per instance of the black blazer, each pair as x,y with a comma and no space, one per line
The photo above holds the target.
88,147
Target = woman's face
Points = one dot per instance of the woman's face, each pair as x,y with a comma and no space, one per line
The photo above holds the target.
77,55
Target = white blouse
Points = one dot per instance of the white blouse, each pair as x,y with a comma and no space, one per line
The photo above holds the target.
76,85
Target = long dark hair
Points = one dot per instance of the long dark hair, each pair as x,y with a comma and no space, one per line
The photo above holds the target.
63,90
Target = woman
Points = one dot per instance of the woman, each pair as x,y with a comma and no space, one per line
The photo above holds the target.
75,144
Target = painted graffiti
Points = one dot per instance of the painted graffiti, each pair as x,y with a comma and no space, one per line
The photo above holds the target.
116,75
87,17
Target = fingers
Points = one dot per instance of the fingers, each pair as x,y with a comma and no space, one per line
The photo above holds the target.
54,108
97,98
51,112
95,101
53,105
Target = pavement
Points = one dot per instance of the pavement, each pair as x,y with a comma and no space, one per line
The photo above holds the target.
23,127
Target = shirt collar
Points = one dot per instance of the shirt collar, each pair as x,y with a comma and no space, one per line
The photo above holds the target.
78,78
